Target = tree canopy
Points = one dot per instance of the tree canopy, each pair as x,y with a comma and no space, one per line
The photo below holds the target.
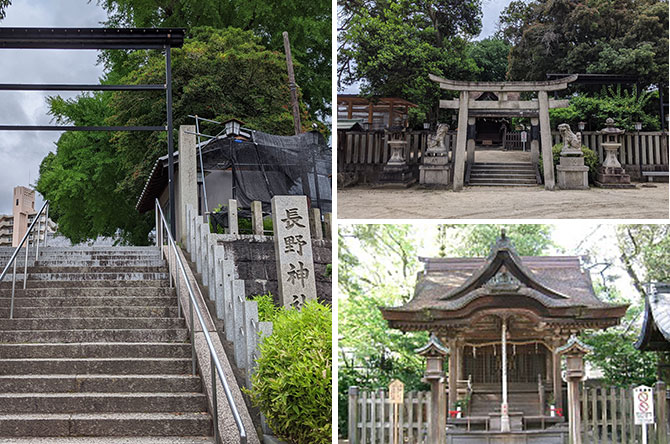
611,37
308,23
95,179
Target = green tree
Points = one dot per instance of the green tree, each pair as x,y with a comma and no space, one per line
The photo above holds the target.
476,239
612,37
307,22
94,179
490,55
391,46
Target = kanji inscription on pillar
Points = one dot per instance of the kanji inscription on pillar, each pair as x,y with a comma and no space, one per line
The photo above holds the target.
293,250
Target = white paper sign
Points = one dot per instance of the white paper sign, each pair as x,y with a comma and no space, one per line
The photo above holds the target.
524,136
643,399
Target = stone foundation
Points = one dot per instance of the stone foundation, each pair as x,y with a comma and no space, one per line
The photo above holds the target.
436,170
572,174
613,177
396,175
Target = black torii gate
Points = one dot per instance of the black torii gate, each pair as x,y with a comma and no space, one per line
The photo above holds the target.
100,38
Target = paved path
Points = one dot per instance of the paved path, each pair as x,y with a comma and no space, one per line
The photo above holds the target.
498,203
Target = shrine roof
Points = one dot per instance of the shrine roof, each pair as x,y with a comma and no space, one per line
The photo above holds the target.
552,286
655,334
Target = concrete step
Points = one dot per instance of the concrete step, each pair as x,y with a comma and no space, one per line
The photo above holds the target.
118,350
91,311
106,424
91,324
513,180
135,292
90,366
99,383
503,173
109,440
494,184
52,284
109,335
101,402
73,301
125,268
120,262
99,276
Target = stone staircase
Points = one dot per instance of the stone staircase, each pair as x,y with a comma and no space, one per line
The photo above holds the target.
503,174
96,350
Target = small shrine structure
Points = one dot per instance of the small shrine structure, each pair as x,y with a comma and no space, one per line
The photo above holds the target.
505,322
507,104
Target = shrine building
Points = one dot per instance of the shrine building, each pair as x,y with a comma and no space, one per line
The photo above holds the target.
505,322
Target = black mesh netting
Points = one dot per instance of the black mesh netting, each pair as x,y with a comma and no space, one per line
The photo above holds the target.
270,165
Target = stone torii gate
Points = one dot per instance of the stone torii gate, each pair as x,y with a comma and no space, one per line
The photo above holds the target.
503,108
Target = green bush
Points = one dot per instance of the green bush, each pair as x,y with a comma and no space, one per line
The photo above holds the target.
590,160
292,385
267,310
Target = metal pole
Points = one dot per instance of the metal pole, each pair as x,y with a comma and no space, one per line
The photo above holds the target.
190,304
504,412
292,85
46,227
168,100
11,304
25,265
37,244
202,168
215,401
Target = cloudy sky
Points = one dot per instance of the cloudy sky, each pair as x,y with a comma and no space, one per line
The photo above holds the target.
22,152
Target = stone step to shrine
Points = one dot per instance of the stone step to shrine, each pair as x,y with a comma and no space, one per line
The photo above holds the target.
502,174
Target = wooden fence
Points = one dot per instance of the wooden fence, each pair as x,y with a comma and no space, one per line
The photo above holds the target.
651,147
607,416
371,417
358,149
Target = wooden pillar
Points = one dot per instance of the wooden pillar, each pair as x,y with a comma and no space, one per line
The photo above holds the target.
371,113
391,113
558,382
471,140
353,415
504,408
459,156
545,137
661,413
349,109
452,374
574,376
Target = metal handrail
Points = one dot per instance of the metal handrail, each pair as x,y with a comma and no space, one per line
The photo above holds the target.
175,260
16,252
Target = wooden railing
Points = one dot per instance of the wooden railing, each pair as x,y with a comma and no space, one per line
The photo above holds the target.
371,417
652,147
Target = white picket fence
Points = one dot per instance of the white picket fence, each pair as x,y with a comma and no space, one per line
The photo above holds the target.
371,417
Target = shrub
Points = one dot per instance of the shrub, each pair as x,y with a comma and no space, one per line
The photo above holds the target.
590,160
267,310
292,384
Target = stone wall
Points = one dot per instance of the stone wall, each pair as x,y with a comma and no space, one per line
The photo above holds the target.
254,259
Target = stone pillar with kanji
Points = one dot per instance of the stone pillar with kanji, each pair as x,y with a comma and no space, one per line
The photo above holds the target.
435,352
293,251
574,352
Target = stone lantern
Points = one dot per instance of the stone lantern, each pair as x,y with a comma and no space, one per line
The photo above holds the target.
574,352
611,174
396,171
435,352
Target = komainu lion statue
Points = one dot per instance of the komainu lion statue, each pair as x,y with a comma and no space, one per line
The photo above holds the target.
436,142
572,143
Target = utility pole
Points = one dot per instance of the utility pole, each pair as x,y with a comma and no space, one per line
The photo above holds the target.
292,85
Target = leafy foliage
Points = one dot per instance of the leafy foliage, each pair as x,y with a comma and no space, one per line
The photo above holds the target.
292,383
490,55
307,22
645,252
476,240
622,364
615,37
590,160
267,310
391,46
94,179
625,106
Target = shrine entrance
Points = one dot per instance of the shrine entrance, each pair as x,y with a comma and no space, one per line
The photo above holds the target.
498,100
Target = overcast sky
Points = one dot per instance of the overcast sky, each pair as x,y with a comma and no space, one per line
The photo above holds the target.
22,152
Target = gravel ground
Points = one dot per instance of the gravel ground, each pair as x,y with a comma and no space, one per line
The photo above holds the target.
503,203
